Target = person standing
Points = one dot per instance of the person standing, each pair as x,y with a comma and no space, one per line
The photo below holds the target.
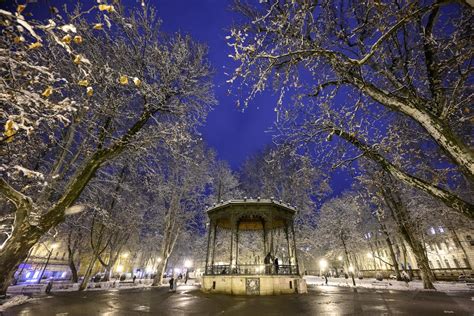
277,266
268,261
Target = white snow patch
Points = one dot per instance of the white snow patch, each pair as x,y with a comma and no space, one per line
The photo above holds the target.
414,285
14,301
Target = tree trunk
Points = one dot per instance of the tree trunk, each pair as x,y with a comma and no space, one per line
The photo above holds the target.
72,266
160,270
393,257
14,252
402,218
87,275
347,261
388,240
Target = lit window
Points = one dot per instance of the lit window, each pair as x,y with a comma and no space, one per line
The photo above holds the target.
447,263
432,231
441,230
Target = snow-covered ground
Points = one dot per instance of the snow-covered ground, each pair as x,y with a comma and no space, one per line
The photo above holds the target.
415,285
13,301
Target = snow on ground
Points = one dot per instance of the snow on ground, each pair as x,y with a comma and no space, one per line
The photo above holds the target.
13,301
415,285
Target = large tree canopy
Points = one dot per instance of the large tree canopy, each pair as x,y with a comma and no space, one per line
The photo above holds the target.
355,66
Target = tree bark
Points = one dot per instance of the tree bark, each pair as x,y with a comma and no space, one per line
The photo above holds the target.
401,217
72,266
160,270
15,250
87,275
392,256
388,240
448,198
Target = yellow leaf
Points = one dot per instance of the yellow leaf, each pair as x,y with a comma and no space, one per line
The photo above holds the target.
90,91
35,45
105,7
78,39
77,59
137,81
83,83
19,39
20,8
10,129
98,26
66,39
47,92
123,79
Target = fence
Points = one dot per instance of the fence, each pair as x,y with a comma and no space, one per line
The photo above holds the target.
252,269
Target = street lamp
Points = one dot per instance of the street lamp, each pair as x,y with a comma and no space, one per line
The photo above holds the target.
53,246
188,264
323,264
339,258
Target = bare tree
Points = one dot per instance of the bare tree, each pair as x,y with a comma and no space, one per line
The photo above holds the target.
338,228
145,87
352,65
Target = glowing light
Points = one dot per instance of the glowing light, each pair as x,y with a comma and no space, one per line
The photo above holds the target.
339,258
177,270
125,255
188,264
120,268
351,269
323,264
159,259
149,269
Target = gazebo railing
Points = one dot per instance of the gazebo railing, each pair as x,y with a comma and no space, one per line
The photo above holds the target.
252,269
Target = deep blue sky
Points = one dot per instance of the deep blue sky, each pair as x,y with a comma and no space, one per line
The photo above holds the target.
232,133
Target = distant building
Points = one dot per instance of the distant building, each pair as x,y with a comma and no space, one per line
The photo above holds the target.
46,260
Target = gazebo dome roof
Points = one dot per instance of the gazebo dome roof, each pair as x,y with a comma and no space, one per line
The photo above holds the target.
251,213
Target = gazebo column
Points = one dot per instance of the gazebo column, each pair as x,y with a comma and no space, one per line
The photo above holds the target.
264,224
237,246
294,247
271,246
213,247
288,244
232,243
208,247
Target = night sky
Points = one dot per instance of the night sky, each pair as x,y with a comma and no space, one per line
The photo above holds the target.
234,134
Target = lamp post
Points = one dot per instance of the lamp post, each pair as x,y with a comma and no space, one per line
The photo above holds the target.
53,246
322,266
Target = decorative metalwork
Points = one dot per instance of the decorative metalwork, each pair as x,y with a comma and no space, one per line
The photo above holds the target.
252,286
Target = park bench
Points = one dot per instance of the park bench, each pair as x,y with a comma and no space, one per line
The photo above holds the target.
381,283
126,283
33,288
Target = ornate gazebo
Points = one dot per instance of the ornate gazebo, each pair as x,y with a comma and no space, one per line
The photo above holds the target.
251,249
